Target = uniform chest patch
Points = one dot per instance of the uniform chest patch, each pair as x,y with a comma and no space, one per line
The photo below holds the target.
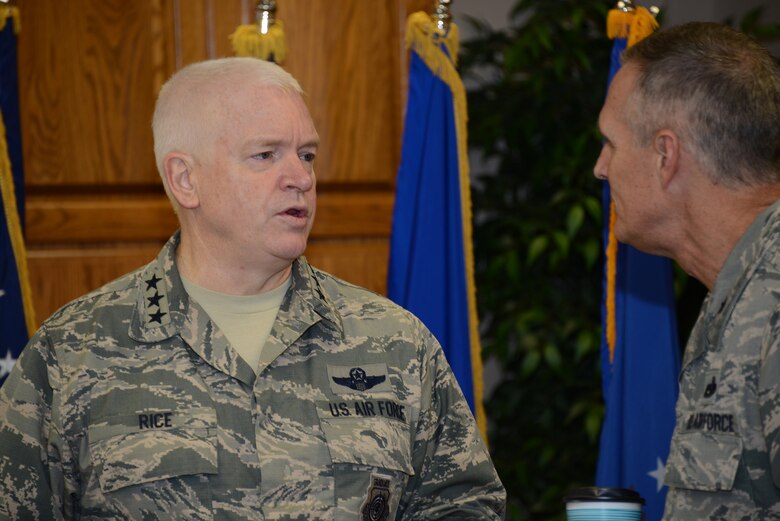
376,507
358,378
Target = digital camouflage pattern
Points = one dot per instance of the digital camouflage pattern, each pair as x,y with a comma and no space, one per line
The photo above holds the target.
724,462
129,403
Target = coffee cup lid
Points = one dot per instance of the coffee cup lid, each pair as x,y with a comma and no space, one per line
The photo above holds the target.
606,494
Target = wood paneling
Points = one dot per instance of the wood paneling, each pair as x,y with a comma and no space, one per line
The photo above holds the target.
87,90
350,67
362,262
89,74
58,275
107,218
63,274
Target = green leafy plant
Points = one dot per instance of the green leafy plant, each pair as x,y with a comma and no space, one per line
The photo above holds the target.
535,90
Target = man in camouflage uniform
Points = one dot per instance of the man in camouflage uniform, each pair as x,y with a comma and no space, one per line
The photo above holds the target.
692,154
132,402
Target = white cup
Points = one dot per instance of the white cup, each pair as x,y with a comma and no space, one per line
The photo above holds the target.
603,504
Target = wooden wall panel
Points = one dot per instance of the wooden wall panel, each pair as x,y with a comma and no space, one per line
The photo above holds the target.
362,262
59,275
92,219
87,92
350,67
90,71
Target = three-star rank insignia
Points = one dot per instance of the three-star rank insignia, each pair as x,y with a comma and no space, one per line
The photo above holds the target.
359,380
155,302
376,507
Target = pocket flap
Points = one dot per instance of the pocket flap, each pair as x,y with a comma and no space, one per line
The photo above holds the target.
126,455
703,461
374,441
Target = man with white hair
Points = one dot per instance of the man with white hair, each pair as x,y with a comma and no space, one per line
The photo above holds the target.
228,378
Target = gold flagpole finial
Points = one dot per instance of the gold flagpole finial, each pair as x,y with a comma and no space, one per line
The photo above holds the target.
265,38
265,11
442,15
627,6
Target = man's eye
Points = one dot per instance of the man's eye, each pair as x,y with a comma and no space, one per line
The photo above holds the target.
308,156
264,155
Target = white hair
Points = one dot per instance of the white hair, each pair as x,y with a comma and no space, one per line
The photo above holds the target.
191,99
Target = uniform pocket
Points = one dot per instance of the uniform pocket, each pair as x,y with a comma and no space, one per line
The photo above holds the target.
703,461
133,449
377,440
370,448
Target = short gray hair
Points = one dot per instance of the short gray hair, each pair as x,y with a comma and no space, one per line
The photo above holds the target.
197,90
720,90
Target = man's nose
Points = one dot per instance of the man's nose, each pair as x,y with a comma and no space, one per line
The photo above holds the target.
298,175
600,168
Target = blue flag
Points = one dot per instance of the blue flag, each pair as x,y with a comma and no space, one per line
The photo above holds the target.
431,268
15,307
640,362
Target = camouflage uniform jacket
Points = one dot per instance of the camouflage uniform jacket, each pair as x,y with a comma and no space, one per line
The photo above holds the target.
129,403
724,462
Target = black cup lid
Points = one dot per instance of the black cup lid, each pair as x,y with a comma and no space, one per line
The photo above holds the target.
604,494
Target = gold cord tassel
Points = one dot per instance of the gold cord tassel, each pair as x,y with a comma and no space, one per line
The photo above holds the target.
265,39
635,25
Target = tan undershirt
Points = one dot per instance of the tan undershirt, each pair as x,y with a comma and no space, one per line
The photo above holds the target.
246,320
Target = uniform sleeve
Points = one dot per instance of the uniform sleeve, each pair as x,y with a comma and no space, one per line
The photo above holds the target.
769,393
30,468
454,476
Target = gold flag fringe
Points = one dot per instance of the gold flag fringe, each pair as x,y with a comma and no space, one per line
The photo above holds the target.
425,39
634,26
248,41
8,194
12,13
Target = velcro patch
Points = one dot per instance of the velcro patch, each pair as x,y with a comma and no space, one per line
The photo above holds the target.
358,378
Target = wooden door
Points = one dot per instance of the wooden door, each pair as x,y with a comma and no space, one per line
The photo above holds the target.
90,71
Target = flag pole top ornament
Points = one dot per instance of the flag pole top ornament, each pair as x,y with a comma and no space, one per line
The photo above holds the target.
442,16
632,22
265,12
263,39
627,6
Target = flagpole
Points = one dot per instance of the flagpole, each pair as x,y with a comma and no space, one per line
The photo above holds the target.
442,16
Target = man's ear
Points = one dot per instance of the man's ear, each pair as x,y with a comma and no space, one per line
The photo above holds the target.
666,145
178,174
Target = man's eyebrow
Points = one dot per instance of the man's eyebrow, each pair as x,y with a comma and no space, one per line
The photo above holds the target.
600,130
274,142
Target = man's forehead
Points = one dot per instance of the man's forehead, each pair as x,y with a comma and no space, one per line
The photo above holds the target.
617,96
623,84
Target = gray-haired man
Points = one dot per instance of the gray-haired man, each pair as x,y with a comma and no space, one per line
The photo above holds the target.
692,155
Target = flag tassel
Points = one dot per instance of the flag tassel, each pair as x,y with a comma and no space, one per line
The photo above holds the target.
264,39
635,24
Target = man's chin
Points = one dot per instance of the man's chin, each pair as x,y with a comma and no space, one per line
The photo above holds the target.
627,237
640,242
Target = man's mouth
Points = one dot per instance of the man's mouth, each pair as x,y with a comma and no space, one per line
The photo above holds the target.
297,212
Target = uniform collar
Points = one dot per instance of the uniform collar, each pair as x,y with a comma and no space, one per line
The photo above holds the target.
306,304
164,310
736,272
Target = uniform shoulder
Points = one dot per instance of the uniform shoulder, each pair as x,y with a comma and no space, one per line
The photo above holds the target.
113,293
345,294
